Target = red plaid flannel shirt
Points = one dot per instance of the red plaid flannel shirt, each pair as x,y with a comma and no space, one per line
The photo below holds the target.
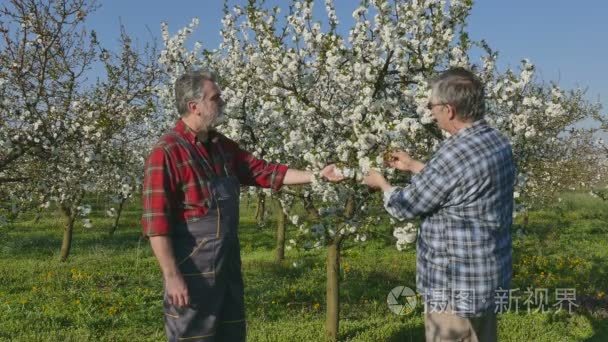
171,191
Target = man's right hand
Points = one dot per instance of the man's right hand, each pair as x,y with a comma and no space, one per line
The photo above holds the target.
177,290
331,173
402,161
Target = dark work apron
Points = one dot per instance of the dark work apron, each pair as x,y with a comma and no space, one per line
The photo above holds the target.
207,251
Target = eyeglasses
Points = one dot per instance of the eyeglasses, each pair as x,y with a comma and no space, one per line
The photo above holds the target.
430,105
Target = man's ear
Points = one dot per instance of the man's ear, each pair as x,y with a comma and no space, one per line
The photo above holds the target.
451,112
191,106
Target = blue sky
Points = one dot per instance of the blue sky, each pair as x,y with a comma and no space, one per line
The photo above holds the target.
565,39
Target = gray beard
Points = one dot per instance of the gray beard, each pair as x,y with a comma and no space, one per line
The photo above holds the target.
220,119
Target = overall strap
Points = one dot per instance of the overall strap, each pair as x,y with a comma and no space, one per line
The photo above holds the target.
222,155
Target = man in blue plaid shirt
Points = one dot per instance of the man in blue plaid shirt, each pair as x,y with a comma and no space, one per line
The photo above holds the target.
464,194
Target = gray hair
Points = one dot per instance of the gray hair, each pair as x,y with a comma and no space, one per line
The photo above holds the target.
189,87
460,88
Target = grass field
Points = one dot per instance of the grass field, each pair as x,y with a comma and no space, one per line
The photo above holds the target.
110,289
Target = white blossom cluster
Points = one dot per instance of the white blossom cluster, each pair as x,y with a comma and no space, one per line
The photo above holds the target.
61,138
405,235
307,96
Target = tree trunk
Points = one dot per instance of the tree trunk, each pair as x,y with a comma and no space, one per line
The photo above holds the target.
246,198
38,216
281,228
118,212
333,291
261,209
349,208
70,216
313,214
69,213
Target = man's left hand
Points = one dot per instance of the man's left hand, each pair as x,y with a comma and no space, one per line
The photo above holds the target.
374,179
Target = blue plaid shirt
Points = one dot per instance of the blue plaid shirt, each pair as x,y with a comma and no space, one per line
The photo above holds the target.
465,196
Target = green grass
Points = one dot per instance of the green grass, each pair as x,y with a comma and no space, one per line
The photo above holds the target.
110,289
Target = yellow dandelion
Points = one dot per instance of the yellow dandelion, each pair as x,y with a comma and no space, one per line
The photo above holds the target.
112,311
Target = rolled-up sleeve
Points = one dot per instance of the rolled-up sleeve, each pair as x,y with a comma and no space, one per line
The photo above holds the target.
158,194
426,192
258,172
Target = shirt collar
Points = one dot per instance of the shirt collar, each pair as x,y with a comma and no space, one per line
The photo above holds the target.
182,129
467,130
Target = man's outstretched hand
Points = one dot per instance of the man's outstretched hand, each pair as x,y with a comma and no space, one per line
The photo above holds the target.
331,173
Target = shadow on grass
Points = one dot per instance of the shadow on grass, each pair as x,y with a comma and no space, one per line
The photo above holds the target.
253,237
595,309
271,287
408,335
406,330
30,239
358,283
47,243
600,328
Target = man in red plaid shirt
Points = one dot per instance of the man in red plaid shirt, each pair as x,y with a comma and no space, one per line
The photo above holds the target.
190,200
